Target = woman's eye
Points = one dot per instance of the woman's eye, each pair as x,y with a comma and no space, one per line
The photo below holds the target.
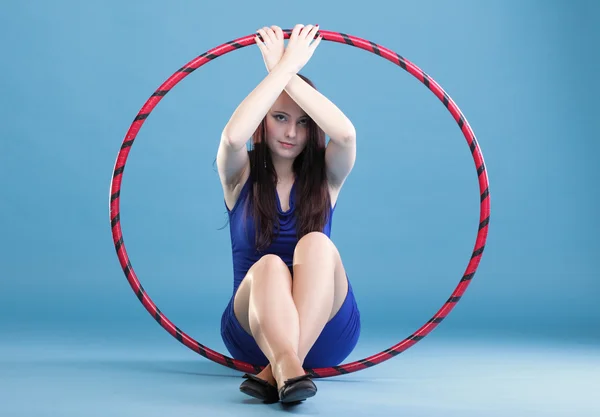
280,117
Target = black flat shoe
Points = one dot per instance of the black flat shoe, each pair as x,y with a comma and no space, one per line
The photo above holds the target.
259,388
297,389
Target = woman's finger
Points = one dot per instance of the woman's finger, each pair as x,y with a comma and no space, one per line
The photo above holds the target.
316,43
260,43
263,35
278,32
313,33
306,31
270,34
296,31
265,38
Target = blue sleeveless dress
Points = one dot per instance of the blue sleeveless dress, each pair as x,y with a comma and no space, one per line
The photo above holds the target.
339,336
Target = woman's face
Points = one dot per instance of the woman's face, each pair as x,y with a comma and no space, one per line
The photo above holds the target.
287,128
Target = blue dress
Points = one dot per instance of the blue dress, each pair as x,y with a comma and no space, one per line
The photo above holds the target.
339,336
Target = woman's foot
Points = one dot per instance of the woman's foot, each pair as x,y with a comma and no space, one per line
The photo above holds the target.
261,386
267,375
297,389
287,366
294,385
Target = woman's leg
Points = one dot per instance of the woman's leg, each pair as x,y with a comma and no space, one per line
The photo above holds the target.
319,287
291,314
265,308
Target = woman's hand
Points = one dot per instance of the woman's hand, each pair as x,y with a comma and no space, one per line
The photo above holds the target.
271,46
300,49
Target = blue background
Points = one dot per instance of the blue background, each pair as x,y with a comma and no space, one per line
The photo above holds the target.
74,75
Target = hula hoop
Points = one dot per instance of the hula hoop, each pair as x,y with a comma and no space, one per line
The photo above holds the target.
440,315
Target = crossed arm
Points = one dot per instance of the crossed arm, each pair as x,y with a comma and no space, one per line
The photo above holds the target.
341,149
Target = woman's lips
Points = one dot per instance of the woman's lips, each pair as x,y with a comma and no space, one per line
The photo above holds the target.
286,145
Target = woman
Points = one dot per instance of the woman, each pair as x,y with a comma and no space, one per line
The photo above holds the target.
292,304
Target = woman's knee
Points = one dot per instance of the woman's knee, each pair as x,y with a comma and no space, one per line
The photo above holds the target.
318,238
260,280
271,264
269,267
315,242
317,250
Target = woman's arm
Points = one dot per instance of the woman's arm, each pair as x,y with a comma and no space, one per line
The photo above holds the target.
248,115
232,156
341,150
334,123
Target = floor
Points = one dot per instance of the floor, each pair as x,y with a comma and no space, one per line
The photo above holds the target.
66,376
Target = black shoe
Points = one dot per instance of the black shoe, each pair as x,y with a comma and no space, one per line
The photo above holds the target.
297,389
259,388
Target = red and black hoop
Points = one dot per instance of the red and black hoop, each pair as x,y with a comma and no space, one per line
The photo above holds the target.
317,372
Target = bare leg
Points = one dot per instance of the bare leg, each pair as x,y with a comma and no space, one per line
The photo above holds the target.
319,287
265,308
315,296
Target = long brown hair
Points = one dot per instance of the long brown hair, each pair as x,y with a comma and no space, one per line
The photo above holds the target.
311,191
